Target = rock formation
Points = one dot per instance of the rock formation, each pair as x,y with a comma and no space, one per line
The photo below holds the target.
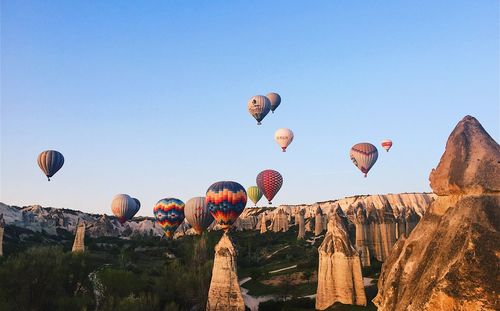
318,222
300,220
308,225
79,243
280,222
225,293
450,260
2,224
339,273
263,226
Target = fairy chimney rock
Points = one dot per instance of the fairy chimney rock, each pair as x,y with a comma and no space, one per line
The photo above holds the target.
225,293
301,222
470,163
446,262
263,226
339,273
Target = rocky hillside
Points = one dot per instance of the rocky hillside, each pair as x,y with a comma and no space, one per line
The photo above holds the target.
406,208
450,261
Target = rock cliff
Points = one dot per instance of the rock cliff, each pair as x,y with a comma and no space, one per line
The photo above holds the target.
448,262
225,293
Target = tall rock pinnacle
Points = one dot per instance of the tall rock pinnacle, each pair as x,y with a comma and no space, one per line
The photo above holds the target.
448,261
339,273
225,292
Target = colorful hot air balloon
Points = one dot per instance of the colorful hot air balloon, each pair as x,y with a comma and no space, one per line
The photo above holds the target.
124,207
254,194
364,155
269,182
283,137
259,107
275,100
197,214
226,200
169,213
50,161
386,144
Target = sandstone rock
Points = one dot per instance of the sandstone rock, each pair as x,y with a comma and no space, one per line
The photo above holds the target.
308,225
263,226
339,273
318,222
448,261
79,243
469,164
225,293
300,219
280,222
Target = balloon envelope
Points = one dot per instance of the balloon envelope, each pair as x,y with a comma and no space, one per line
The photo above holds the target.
269,182
386,144
50,161
259,106
364,156
169,213
226,200
197,214
283,137
254,194
123,207
275,100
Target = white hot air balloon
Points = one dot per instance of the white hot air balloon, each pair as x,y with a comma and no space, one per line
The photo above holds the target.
283,137
124,207
386,144
197,214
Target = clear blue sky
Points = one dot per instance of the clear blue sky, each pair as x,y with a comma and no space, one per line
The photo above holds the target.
149,97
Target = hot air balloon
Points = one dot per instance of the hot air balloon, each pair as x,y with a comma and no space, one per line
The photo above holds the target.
169,213
275,100
197,214
226,200
50,161
254,194
283,137
269,182
364,155
259,107
386,144
124,207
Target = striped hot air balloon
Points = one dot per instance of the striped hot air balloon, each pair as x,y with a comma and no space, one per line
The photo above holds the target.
50,161
254,194
269,182
275,100
169,213
283,137
124,207
364,156
386,144
259,107
226,200
197,214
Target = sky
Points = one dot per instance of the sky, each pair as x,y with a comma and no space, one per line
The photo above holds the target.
149,98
